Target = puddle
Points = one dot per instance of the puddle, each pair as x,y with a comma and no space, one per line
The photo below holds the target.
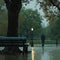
45,56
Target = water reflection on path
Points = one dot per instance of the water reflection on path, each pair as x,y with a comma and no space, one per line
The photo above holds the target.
49,53
45,56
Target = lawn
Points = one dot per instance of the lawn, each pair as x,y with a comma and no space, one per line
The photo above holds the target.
46,41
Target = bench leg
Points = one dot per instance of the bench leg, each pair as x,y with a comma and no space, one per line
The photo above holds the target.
25,49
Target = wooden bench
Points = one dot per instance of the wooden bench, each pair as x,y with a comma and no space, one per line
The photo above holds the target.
14,41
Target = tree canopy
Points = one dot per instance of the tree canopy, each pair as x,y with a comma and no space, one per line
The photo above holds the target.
54,28
30,19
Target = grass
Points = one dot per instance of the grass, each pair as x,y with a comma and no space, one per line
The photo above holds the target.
46,41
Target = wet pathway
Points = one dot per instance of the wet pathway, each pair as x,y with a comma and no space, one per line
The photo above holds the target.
50,52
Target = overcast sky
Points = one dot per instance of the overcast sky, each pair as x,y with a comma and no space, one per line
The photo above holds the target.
33,6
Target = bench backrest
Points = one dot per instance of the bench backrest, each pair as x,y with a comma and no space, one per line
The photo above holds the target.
12,41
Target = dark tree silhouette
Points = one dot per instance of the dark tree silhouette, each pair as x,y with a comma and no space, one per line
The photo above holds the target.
13,7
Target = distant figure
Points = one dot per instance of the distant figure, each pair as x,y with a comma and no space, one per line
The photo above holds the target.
43,39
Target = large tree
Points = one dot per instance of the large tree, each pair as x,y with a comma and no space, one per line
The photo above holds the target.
52,13
55,27
13,7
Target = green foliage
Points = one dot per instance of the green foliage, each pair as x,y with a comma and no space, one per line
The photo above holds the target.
1,1
3,24
55,27
29,19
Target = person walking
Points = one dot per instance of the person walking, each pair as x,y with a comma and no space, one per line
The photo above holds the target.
43,39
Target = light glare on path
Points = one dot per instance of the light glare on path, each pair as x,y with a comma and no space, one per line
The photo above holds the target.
32,53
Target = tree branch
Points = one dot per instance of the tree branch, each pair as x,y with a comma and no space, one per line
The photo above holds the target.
17,5
7,3
57,4
13,5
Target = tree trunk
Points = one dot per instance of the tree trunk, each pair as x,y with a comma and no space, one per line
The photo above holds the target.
12,31
12,24
13,7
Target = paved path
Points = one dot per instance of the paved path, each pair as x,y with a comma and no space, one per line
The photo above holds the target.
50,52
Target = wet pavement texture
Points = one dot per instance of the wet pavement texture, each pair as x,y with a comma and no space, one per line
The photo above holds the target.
50,52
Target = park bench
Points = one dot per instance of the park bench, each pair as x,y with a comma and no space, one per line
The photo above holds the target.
14,41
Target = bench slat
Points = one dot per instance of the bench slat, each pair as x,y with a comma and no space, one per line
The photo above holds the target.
12,41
